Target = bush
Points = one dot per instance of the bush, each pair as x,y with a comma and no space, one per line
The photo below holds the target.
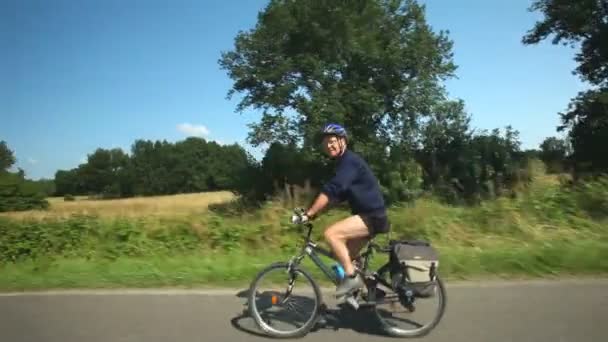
17,195
592,196
32,239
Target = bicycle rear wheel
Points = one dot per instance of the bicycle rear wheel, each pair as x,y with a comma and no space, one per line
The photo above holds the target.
401,320
279,309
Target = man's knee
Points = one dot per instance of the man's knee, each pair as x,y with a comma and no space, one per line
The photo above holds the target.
329,234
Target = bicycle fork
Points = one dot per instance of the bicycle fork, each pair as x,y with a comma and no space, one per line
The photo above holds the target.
292,277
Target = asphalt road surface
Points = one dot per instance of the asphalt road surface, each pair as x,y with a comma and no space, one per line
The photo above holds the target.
494,312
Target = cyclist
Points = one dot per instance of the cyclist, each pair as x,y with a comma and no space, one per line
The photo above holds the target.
354,182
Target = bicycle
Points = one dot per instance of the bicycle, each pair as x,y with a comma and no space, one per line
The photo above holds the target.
398,291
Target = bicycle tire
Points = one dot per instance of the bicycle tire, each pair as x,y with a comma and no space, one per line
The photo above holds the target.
258,319
395,332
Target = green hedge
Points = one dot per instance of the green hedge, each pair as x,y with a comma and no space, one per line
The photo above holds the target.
16,194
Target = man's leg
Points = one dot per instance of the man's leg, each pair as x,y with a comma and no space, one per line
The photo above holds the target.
355,245
336,235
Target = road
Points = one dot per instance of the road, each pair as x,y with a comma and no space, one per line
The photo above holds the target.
493,312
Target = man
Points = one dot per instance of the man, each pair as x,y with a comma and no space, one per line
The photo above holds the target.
354,182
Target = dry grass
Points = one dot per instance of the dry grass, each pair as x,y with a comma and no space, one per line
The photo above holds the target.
173,205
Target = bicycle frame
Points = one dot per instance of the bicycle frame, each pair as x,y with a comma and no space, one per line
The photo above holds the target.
313,250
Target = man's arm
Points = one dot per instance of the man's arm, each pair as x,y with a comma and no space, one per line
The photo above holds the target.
345,175
320,202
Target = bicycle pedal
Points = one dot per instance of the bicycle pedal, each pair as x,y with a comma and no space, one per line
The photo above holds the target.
352,302
322,322
380,294
367,304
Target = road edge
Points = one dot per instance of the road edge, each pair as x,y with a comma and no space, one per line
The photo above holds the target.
233,291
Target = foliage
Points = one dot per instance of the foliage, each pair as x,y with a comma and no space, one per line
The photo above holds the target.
376,67
549,228
17,193
544,212
584,24
555,153
7,157
591,196
157,168
372,65
508,260
587,120
576,21
499,239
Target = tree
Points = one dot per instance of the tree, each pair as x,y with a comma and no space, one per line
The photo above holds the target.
583,23
587,121
371,65
158,168
554,152
17,193
67,183
374,66
7,158
444,138
103,170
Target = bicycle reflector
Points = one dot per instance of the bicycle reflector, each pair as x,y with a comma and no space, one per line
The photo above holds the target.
274,300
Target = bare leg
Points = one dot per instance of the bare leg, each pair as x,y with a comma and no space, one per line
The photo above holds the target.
355,245
337,234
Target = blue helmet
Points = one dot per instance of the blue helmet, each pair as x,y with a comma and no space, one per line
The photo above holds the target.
334,129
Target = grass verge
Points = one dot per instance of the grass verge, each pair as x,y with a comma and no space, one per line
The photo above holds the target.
548,230
588,258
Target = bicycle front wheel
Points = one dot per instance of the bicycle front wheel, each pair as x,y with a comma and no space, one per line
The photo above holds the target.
284,302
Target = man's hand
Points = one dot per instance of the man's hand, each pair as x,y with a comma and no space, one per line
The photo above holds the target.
299,218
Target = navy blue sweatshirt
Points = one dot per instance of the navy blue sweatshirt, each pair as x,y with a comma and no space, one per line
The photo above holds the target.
355,182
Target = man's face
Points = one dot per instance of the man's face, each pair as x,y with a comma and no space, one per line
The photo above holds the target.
333,145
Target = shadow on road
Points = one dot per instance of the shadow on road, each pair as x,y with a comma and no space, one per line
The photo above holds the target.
342,317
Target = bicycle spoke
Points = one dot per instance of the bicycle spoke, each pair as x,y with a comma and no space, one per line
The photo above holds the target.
401,319
296,308
290,311
405,320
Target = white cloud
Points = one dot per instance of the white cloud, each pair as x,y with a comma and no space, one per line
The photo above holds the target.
32,161
193,130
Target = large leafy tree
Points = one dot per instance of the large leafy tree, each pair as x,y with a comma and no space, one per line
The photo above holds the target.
374,66
581,23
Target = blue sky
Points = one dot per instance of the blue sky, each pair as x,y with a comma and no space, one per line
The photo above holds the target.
77,75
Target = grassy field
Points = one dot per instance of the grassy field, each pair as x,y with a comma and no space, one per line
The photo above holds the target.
546,231
174,205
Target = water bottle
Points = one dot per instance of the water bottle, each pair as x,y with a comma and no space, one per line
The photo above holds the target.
338,270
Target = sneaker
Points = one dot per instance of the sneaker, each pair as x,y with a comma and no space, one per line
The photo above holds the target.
348,285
